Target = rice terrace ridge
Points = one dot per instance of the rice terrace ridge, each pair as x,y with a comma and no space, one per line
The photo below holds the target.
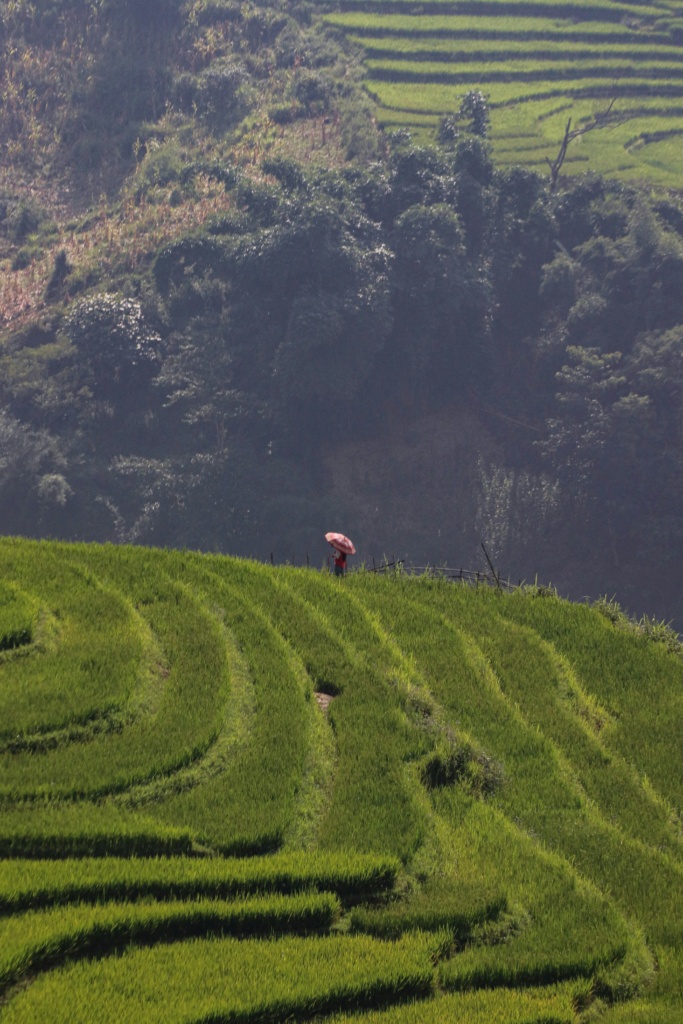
538,63
484,825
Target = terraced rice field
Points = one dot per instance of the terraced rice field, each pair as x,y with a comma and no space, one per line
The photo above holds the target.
538,63
481,822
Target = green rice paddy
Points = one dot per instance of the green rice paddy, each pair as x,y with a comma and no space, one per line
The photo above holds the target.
233,792
578,56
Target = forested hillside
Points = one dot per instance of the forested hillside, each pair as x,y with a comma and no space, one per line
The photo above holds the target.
235,313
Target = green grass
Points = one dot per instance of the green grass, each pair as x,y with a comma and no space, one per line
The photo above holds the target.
591,10
37,940
486,820
485,27
531,69
554,1003
247,805
506,689
458,909
30,884
373,804
90,648
619,669
563,926
185,723
582,55
62,829
506,53
18,618
222,979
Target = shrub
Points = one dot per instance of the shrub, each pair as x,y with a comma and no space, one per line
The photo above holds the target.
222,92
60,271
112,337
448,131
445,767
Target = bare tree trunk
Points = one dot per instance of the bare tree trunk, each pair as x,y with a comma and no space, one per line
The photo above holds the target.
556,165
604,119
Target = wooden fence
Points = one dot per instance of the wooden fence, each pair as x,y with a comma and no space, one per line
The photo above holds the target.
474,577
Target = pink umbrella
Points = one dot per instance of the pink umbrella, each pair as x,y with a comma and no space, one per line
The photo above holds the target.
340,542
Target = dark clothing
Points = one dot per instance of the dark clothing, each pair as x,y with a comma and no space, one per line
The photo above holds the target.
340,563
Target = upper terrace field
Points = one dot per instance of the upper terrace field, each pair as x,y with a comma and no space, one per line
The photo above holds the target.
481,820
538,64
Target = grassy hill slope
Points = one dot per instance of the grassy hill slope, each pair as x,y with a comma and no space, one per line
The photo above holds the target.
538,64
237,793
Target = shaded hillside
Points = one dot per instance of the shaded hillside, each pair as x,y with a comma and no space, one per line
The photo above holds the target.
236,314
484,823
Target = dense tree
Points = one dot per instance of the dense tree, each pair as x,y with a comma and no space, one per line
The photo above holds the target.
474,109
440,303
33,488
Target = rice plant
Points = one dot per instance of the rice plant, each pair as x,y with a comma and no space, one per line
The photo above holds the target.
427,60
483,823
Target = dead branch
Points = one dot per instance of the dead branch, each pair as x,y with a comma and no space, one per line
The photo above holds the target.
604,119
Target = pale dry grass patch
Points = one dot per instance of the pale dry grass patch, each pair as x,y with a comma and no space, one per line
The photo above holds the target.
113,244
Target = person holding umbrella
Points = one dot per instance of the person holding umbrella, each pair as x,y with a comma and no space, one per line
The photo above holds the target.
342,547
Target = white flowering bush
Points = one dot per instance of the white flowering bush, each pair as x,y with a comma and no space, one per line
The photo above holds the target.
111,332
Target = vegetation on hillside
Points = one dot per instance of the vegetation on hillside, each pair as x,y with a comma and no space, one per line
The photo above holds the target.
234,311
482,825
